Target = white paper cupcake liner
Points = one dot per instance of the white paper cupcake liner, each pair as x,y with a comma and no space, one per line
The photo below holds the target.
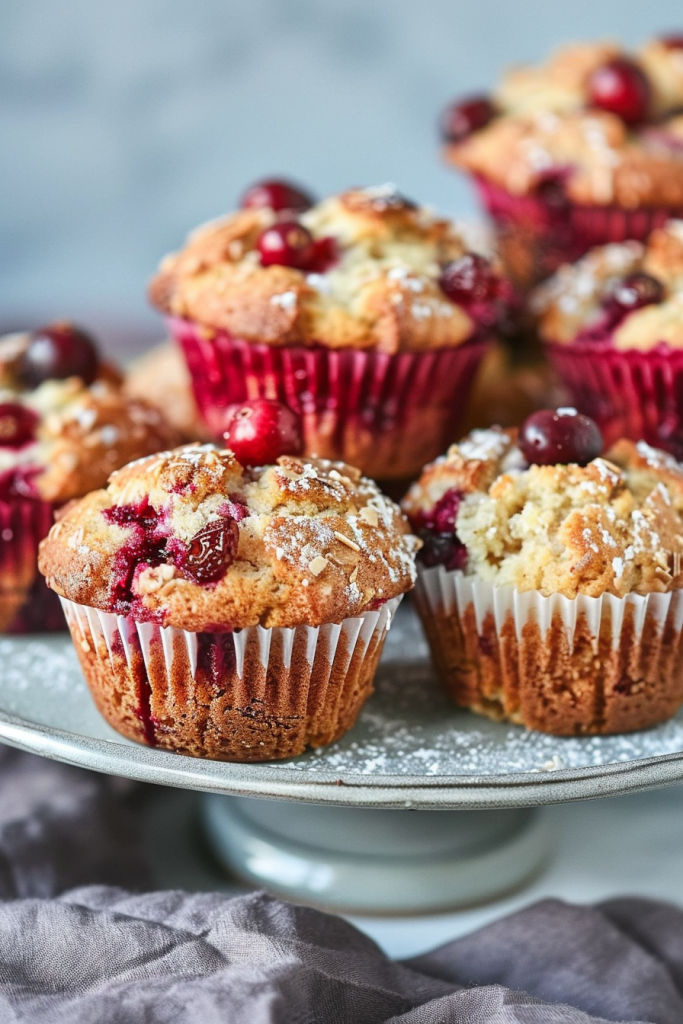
448,592
263,689
564,666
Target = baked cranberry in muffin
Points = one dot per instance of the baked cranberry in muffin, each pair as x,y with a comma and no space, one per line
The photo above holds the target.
246,588
365,314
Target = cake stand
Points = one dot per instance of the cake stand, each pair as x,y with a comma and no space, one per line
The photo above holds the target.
338,827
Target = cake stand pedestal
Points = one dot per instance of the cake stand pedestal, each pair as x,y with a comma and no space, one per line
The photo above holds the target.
376,861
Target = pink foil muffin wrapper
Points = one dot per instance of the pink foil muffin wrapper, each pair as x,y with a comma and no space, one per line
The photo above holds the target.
561,233
250,653
26,604
628,393
449,592
388,414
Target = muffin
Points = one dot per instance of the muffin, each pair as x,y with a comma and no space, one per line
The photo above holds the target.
230,612
550,578
612,325
364,313
580,151
64,426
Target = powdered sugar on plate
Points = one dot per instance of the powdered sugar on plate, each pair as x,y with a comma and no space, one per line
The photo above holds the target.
410,728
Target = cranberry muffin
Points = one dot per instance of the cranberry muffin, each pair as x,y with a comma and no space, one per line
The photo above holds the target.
364,313
612,324
230,612
584,149
550,580
64,426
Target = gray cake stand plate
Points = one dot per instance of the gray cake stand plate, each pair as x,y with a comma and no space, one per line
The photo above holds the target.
411,750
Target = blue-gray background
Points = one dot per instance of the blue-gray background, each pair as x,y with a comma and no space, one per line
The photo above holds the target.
125,123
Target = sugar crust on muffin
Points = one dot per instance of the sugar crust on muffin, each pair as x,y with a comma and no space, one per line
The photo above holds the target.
381,292
308,541
544,125
614,526
572,300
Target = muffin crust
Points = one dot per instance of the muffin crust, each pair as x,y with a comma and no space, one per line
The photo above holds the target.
545,127
312,542
380,292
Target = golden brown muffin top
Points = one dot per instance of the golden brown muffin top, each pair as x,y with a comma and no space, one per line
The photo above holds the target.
546,129
78,433
614,526
192,539
587,299
380,288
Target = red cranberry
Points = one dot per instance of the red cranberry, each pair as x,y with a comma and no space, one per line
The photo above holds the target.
56,352
212,551
622,88
17,425
288,244
633,292
276,194
442,549
325,254
462,118
259,432
560,436
469,279
436,528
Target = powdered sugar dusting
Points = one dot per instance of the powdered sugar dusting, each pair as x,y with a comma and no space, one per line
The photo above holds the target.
410,728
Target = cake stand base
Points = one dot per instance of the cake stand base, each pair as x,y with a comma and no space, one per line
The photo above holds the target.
366,860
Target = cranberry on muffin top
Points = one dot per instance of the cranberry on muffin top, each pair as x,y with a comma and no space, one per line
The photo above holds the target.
628,294
365,269
193,539
64,423
613,525
595,124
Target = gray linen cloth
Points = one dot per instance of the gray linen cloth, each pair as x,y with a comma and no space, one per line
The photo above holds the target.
103,954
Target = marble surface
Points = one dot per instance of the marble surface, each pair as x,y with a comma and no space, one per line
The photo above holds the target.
630,845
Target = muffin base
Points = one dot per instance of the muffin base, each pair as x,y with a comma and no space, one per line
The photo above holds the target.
628,393
591,666
26,605
535,237
256,695
386,414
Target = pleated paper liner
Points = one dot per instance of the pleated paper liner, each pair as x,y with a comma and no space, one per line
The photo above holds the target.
628,393
536,235
251,695
386,414
562,666
26,604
